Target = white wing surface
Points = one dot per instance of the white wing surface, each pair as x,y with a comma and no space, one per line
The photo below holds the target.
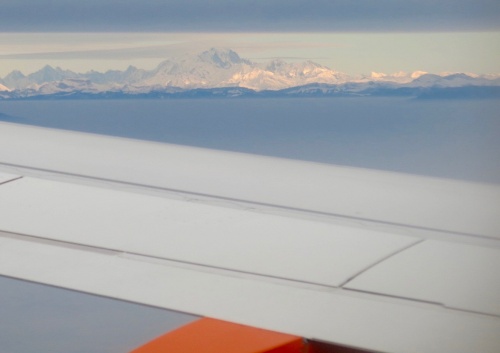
375,260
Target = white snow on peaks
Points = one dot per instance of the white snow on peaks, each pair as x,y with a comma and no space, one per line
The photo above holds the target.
377,75
220,68
417,74
398,77
68,86
222,58
225,68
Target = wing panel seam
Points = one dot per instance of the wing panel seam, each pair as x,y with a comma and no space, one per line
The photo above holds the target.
160,260
394,253
10,180
249,202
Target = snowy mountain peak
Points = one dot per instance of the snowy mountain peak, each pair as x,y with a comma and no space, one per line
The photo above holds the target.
457,76
48,74
222,68
276,64
399,77
222,58
417,74
376,75
15,75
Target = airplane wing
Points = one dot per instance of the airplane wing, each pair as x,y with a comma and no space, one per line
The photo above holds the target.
359,258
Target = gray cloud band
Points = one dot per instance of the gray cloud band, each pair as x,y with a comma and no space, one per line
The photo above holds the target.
230,15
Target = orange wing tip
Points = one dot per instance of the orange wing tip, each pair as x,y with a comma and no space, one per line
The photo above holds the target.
214,336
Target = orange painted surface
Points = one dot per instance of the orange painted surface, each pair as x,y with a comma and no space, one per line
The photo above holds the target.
215,336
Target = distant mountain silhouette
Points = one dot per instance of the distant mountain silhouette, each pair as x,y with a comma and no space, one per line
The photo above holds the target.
223,68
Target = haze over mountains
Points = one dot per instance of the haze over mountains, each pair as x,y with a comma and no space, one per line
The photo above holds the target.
218,69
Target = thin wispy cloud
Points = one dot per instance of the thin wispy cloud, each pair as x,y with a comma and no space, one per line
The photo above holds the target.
124,53
353,53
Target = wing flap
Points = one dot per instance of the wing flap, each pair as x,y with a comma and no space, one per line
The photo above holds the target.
461,276
191,232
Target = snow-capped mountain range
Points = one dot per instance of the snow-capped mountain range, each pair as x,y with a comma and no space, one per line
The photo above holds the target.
217,68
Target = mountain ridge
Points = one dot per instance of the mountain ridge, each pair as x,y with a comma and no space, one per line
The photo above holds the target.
224,68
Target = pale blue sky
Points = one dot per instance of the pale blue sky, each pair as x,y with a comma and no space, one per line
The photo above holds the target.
353,36
354,53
